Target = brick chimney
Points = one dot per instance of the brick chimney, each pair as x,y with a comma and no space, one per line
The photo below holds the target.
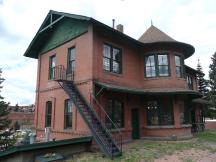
120,28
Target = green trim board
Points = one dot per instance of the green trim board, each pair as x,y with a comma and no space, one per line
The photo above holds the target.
43,145
63,32
52,23
156,91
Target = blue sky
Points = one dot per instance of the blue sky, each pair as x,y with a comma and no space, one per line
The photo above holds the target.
189,21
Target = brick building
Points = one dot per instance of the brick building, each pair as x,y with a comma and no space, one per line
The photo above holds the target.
94,79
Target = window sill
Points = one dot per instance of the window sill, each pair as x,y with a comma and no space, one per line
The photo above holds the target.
185,125
157,78
116,130
111,73
158,126
68,129
181,78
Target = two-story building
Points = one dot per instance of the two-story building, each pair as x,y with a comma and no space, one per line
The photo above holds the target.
94,79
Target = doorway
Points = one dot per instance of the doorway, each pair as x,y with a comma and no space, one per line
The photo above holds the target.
135,123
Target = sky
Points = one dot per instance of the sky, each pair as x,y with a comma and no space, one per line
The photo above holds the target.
189,21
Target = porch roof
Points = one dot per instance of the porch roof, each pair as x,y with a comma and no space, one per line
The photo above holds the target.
201,101
152,91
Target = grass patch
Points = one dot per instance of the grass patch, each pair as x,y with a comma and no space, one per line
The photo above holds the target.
207,136
148,151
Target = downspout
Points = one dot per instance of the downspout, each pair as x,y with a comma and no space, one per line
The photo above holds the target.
37,91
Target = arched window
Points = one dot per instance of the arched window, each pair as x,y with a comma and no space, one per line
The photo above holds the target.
48,114
68,114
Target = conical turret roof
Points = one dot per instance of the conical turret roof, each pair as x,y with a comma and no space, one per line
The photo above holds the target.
154,34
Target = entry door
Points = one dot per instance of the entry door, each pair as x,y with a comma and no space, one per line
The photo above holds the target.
135,123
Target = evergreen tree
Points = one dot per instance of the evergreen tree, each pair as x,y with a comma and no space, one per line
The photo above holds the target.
202,82
6,139
4,122
212,83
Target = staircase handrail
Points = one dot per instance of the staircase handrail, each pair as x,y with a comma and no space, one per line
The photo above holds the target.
117,129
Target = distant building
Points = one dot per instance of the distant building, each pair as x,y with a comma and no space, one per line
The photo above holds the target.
22,117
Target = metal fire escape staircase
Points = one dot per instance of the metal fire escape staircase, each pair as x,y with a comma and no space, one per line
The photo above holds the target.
93,114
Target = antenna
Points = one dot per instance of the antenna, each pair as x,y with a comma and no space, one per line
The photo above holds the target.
151,22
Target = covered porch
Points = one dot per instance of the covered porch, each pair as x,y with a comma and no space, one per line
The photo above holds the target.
147,113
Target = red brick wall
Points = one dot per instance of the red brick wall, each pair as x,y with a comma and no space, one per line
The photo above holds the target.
48,90
89,66
132,66
19,116
210,124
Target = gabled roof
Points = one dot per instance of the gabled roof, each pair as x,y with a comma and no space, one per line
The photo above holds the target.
53,18
152,38
154,34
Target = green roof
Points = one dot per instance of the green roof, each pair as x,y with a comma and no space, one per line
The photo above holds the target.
152,91
43,145
50,24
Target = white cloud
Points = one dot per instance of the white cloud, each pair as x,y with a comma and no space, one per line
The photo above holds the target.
190,21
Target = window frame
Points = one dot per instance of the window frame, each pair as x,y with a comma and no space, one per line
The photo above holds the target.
159,112
69,69
51,69
185,115
182,70
190,86
111,59
155,54
68,114
113,109
48,117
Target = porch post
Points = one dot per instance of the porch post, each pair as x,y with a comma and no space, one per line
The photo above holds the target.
176,112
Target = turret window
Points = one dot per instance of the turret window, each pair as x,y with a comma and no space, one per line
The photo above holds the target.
179,66
156,65
190,82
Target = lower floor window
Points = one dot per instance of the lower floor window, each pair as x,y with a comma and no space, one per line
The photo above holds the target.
115,111
159,112
48,116
68,114
184,112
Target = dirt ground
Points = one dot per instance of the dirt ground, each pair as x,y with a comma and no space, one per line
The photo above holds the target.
192,155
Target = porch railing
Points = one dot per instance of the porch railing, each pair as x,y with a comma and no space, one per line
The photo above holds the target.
106,121
60,73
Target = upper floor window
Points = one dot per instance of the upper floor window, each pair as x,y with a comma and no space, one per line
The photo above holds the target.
68,114
71,60
115,111
48,114
52,64
150,69
112,59
156,65
179,66
190,82
159,112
